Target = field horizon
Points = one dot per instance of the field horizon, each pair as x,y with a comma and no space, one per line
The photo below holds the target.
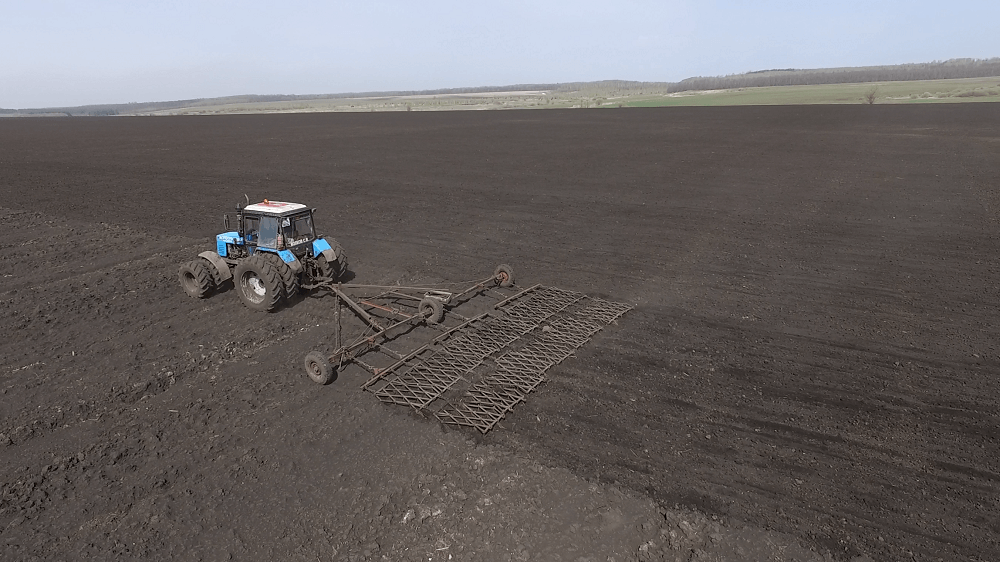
951,81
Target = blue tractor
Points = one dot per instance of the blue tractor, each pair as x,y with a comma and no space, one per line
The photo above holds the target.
272,254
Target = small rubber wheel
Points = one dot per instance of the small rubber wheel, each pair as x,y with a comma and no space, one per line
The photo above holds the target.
504,275
196,278
318,368
432,309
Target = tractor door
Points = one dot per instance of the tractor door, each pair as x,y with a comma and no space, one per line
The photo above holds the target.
268,232
251,230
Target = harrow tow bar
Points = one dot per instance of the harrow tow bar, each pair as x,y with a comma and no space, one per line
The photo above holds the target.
386,320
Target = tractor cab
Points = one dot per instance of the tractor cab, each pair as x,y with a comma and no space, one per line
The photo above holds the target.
276,225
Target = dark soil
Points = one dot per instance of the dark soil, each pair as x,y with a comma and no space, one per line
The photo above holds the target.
810,370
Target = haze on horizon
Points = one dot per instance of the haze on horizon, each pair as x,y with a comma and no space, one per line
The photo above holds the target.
63,53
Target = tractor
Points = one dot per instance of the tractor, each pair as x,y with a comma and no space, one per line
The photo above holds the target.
271,255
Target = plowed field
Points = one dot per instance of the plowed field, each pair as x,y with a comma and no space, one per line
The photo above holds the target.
811,369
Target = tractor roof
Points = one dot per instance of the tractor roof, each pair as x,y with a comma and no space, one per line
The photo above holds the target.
274,207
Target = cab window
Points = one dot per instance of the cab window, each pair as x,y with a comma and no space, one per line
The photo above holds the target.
268,232
297,229
251,229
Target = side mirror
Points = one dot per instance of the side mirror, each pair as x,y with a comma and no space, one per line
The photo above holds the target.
225,218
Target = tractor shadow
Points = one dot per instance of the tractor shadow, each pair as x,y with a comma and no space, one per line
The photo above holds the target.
315,294
226,287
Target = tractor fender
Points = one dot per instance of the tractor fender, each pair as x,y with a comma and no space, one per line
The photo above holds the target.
320,245
291,261
330,255
219,263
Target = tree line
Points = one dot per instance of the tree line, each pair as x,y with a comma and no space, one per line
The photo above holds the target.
937,70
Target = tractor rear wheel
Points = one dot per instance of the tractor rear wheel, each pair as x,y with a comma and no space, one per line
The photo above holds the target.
289,280
318,368
258,283
333,270
196,278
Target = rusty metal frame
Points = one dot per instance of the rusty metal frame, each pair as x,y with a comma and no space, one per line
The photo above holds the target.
473,373
395,321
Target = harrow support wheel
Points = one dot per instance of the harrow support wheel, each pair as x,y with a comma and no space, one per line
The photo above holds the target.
318,368
258,283
504,275
196,278
432,309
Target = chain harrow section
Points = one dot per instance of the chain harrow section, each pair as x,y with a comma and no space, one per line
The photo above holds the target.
537,305
480,405
605,311
422,380
553,324
425,381
517,373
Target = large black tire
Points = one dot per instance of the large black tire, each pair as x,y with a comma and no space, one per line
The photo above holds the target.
196,278
318,368
504,275
337,269
217,280
432,309
289,280
257,283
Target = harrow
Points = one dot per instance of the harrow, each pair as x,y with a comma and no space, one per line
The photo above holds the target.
479,363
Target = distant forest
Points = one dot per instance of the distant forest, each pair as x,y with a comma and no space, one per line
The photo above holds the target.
144,107
937,70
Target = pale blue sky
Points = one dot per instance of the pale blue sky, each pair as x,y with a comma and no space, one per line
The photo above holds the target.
67,53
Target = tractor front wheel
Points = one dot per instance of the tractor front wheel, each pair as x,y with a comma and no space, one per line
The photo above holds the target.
258,283
196,278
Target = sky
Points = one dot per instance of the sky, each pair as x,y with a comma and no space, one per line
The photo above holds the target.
70,53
